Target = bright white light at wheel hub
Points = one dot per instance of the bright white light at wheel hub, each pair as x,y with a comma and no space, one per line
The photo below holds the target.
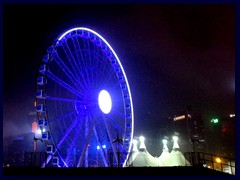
104,101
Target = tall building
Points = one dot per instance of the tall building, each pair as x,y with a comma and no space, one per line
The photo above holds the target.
189,126
222,136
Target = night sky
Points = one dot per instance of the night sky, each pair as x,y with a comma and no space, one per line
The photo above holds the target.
174,56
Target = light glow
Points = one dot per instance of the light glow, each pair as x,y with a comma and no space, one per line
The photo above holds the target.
142,144
214,121
218,160
164,141
179,118
105,102
141,138
134,141
175,138
175,143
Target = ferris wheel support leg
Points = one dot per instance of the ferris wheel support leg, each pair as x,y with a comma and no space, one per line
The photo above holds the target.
73,142
86,134
86,144
111,138
101,149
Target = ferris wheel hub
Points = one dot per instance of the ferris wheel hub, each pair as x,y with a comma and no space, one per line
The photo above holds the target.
105,101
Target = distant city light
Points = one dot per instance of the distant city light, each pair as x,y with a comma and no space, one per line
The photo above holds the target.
218,160
40,132
103,146
189,115
214,121
179,118
232,115
34,127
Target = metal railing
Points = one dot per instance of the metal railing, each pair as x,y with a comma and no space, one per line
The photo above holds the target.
36,159
211,161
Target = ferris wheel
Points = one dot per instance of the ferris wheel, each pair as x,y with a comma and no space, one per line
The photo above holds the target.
84,103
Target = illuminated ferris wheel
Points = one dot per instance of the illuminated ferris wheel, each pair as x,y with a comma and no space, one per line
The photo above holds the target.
84,102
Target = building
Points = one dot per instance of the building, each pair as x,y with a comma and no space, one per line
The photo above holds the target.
222,136
189,125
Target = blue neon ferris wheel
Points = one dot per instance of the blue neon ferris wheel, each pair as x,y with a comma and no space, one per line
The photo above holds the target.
84,102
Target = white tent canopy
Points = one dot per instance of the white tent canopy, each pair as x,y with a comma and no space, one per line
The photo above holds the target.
141,157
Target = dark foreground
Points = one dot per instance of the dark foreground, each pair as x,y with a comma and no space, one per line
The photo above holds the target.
130,171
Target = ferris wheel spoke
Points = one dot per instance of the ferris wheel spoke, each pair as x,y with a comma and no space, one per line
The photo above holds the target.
64,84
86,70
64,100
116,125
110,137
94,71
64,162
68,73
115,85
105,79
86,59
91,72
73,143
78,51
79,55
71,59
119,114
94,60
62,140
108,77
87,53
91,59
63,117
68,131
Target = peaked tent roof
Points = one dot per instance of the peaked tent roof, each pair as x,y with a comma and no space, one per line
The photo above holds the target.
176,158
143,158
132,156
163,158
